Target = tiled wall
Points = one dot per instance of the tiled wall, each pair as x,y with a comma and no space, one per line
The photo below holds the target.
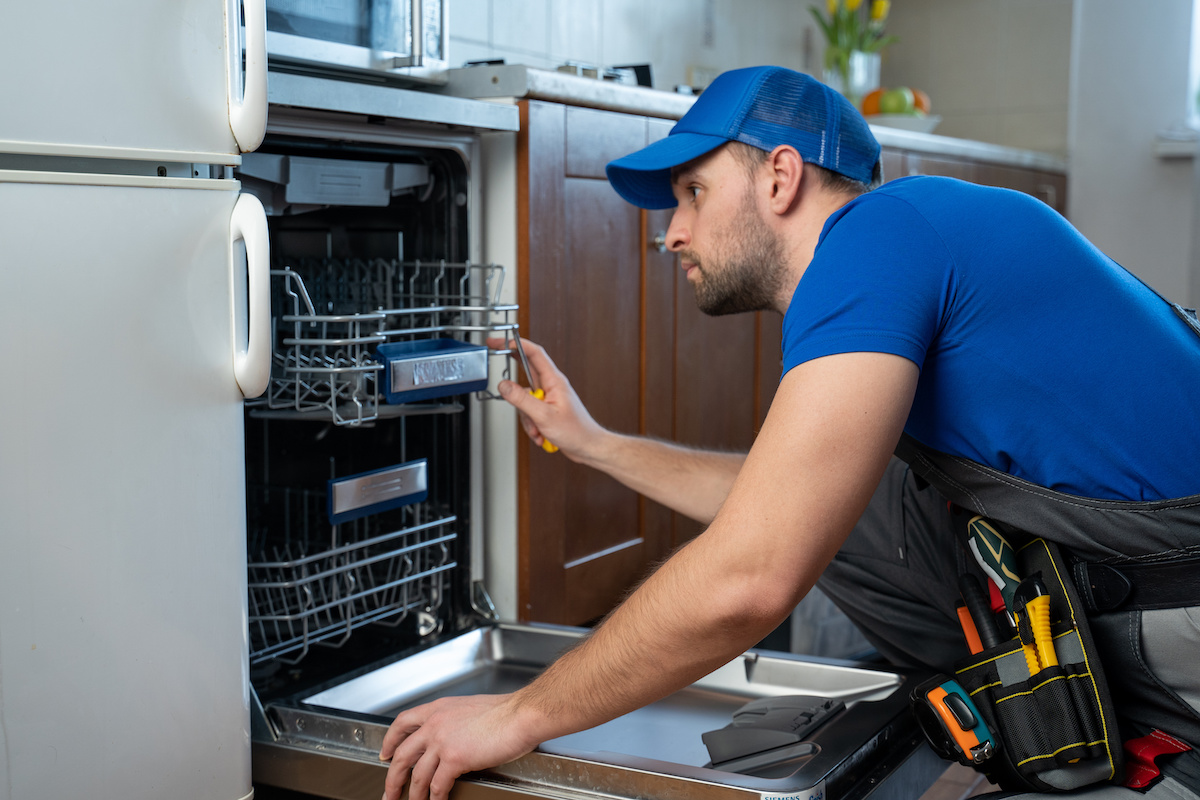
996,71
685,41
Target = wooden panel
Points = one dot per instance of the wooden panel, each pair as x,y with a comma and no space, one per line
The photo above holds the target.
659,268
595,138
1049,187
583,539
921,164
714,382
1007,177
658,365
595,585
541,490
601,354
769,366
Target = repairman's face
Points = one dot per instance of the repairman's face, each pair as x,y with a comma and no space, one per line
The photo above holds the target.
731,256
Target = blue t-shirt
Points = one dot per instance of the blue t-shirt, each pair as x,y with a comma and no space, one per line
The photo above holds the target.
1039,355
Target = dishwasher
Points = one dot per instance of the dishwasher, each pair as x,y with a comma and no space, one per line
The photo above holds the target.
364,500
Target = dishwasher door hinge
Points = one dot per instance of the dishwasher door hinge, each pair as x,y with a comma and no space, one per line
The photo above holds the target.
481,601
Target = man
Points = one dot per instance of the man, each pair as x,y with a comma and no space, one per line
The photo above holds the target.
974,320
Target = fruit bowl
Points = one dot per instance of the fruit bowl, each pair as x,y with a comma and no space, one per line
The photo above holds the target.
905,122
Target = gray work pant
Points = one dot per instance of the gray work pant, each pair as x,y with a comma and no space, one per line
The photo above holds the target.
896,578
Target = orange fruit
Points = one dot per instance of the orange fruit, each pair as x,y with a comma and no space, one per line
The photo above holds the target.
870,102
920,100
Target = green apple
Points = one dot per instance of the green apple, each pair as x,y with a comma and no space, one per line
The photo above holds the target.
897,101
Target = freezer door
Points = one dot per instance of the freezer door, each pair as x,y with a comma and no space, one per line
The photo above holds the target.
149,79
123,655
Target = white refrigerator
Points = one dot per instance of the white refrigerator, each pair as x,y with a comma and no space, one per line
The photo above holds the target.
133,304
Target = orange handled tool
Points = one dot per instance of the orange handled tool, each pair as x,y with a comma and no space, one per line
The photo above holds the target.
534,389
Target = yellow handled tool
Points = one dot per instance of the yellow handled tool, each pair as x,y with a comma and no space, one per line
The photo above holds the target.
1033,602
534,389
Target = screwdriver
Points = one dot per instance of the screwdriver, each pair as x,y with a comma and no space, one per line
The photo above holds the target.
996,556
981,614
534,389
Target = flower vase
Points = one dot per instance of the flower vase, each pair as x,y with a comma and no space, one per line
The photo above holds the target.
856,76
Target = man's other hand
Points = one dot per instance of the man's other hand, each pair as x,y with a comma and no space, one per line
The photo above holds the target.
431,745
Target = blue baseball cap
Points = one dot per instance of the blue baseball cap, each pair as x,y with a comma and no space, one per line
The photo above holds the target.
760,106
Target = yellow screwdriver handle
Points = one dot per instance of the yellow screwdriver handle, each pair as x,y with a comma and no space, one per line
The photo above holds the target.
546,444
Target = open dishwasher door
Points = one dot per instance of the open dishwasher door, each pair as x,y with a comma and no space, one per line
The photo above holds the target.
867,743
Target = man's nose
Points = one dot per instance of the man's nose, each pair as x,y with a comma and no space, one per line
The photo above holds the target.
678,235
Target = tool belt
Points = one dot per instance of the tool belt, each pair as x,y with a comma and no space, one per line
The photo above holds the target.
1037,726
1055,728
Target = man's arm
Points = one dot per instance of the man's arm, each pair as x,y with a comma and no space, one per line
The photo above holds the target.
831,429
691,481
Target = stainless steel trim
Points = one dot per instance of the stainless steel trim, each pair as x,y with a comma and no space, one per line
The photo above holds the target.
351,494
303,91
286,47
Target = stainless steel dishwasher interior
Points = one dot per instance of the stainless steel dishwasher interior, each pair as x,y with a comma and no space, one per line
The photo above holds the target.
660,743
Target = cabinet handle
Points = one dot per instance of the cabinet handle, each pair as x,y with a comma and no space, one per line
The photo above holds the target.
1048,193
659,242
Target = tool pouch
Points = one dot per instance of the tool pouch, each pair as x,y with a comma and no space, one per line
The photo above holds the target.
1054,730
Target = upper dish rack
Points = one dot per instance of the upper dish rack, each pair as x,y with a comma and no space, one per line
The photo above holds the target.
333,314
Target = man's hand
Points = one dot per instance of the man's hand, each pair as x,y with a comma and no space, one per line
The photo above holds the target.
431,745
560,417
692,482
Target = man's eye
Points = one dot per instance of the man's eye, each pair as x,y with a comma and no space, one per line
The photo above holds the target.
694,191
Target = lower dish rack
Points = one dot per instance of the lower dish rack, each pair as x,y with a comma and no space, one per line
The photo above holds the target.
317,582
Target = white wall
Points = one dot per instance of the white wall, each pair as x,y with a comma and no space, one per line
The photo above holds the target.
685,41
996,72
1130,80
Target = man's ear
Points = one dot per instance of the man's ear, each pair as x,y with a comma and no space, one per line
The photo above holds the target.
787,173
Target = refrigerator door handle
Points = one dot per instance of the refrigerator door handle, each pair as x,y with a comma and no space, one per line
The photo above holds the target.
252,366
248,103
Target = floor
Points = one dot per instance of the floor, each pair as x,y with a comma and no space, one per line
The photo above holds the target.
958,783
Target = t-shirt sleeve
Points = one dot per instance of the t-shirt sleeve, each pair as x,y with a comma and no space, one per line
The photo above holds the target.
881,281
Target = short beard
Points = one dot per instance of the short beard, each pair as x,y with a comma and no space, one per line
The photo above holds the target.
748,279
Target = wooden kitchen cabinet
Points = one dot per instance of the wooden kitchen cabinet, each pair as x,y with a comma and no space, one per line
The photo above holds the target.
619,318
1049,187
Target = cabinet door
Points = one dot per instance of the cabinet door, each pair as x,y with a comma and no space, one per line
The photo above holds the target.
893,164
617,315
1049,187
946,166
583,539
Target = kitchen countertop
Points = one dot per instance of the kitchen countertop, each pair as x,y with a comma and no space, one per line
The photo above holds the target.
521,82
